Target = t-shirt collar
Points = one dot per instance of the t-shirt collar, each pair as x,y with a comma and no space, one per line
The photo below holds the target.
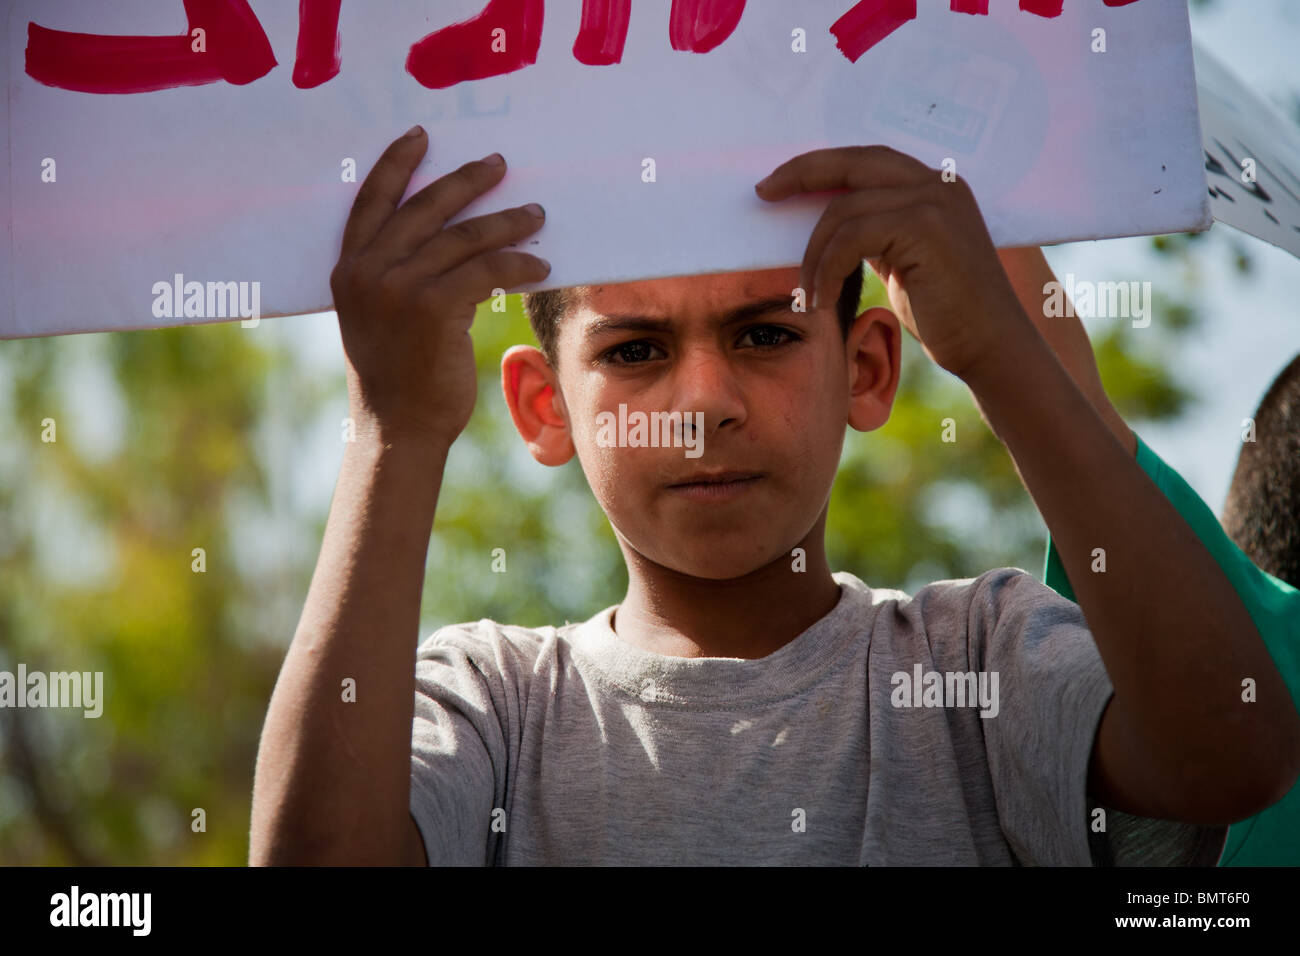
706,682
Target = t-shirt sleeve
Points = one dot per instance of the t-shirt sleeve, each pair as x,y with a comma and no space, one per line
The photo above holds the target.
1273,605
458,753
1052,691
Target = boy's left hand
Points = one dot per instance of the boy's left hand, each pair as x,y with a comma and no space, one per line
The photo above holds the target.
925,238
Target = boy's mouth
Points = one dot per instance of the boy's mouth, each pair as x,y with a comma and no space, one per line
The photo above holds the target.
716,485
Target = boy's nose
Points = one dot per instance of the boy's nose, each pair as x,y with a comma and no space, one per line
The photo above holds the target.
706,382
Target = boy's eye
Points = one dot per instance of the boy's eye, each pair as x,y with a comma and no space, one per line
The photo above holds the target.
630,353
642,350
769,336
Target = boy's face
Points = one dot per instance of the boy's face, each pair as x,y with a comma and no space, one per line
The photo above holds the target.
772,390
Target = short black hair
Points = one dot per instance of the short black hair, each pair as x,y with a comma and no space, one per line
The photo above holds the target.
1262,513
546,309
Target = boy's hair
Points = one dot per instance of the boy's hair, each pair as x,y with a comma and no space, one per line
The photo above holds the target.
546,309
1262,513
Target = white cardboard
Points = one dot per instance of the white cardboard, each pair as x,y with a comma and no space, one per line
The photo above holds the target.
224,183
1252,157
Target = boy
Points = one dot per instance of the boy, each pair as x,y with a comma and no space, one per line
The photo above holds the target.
743,704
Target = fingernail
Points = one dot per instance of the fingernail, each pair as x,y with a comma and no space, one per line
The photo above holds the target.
545,262
763,183
536,210
415,130
814,300
496,159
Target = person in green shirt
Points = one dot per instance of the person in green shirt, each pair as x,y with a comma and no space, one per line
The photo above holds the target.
1263,511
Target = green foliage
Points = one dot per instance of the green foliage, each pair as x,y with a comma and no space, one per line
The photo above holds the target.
184,691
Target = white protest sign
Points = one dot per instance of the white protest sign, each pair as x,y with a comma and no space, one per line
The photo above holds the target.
1252,157
169,163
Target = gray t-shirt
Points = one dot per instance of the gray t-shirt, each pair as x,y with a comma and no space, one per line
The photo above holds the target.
570,746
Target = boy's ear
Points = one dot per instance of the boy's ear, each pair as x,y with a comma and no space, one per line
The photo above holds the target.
874,351
533,395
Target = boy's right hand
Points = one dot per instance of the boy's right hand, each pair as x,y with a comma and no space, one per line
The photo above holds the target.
406,290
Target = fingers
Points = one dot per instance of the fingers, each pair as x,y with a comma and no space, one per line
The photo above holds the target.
862,237
844,167
456,244
382,190
426,212
394,255
867,202
474,280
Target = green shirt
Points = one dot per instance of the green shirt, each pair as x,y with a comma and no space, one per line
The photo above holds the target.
1271,838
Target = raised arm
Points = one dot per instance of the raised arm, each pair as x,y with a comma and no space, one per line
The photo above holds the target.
333,768
1178,740
1029,272
1272,610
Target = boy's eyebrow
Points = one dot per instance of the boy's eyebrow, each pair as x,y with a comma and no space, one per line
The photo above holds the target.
647,323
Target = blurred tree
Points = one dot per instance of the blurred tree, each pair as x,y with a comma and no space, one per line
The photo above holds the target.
97,551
